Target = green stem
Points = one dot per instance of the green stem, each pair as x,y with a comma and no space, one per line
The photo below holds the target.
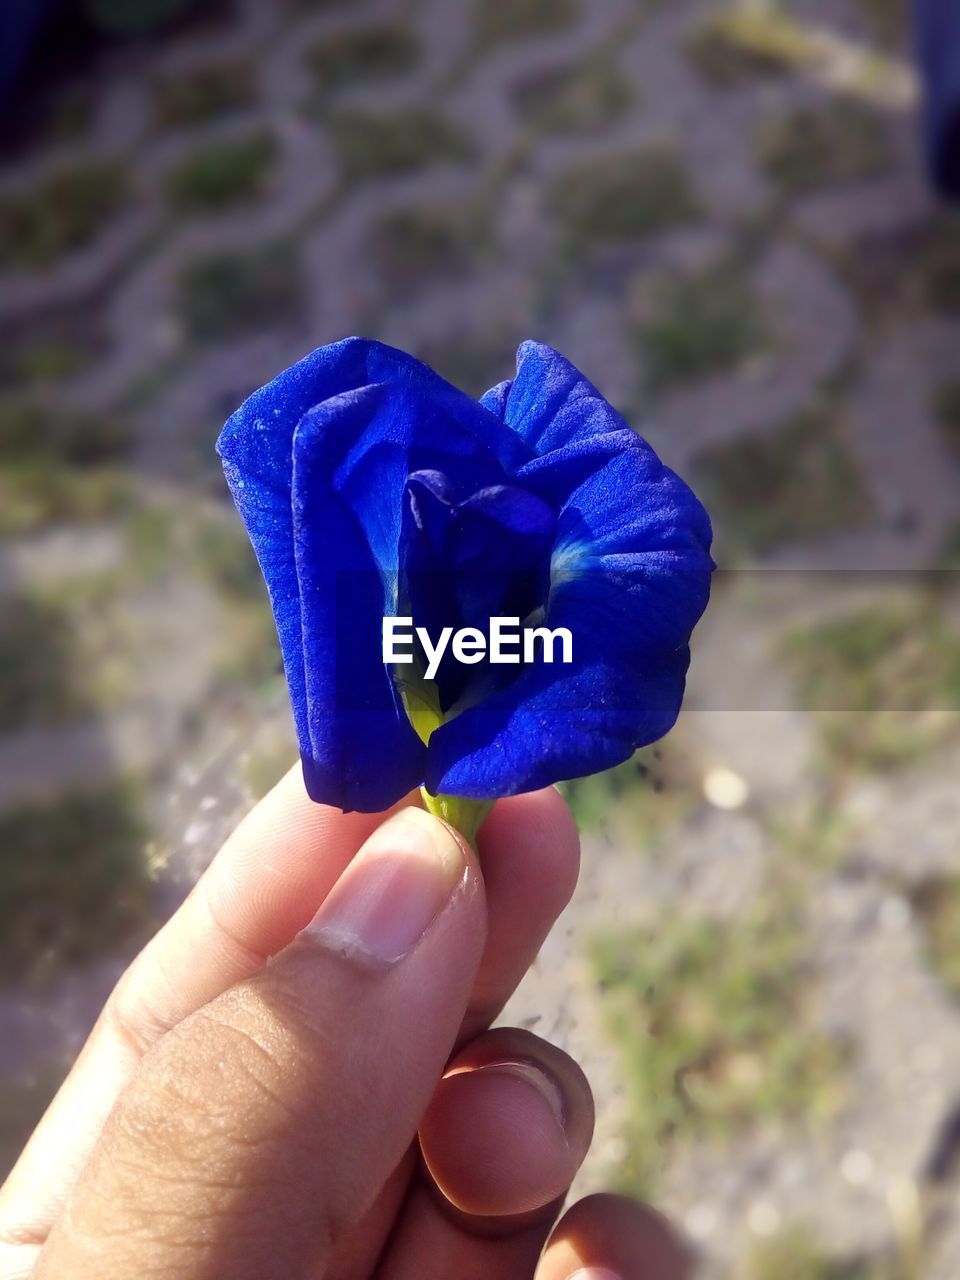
466,815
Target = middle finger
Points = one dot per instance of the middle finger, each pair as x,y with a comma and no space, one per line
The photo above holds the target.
530,856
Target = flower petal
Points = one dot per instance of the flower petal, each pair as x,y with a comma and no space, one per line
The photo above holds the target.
496,398
256,446
550,403
464,563
631,577
352,455
361,751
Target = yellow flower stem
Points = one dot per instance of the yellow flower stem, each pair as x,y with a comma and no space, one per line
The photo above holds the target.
464,814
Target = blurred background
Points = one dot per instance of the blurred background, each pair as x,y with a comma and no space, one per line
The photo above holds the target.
719,212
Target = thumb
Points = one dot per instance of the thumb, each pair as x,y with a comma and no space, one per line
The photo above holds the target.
258,1131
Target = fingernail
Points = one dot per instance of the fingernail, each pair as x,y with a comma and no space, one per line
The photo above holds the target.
392,891
595,1273
534,1076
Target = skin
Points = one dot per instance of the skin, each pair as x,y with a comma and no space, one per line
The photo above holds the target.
297,1078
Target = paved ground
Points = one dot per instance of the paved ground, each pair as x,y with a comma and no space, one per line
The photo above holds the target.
720,215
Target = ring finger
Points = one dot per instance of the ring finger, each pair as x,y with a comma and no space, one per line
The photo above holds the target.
503,1138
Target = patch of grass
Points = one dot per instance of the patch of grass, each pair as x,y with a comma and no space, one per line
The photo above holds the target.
55,344
221,174
63,212
498,23
267,765
904,657
594,798
50,361
60,465
746,41
816,147
913,268
623,196
229,294
73,880
31,431
205,93
794,1255
225,557
416,245
353,57
164,541
253,659
639,800
937,903
935,264
162,538
107,639
817,835
710,1019
153,538
946,410
40,682
36,494
578,99
701,324
795,483
884,680
410,138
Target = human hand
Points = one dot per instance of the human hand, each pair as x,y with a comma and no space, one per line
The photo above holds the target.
249,1102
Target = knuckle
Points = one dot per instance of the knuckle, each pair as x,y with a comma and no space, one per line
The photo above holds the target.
220,1128
229,1077
124,1020
212,1130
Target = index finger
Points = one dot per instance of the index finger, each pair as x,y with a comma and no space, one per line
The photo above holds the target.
263,886
260,890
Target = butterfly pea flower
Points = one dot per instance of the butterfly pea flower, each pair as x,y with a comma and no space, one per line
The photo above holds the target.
374,490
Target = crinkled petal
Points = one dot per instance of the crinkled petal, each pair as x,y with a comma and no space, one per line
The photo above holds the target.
630,578
256,446
634,505
362,752
550,403
550,726
464,563
555,475
257,439
352,456
496,398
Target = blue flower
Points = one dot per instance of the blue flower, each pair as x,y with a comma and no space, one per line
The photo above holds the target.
372,488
